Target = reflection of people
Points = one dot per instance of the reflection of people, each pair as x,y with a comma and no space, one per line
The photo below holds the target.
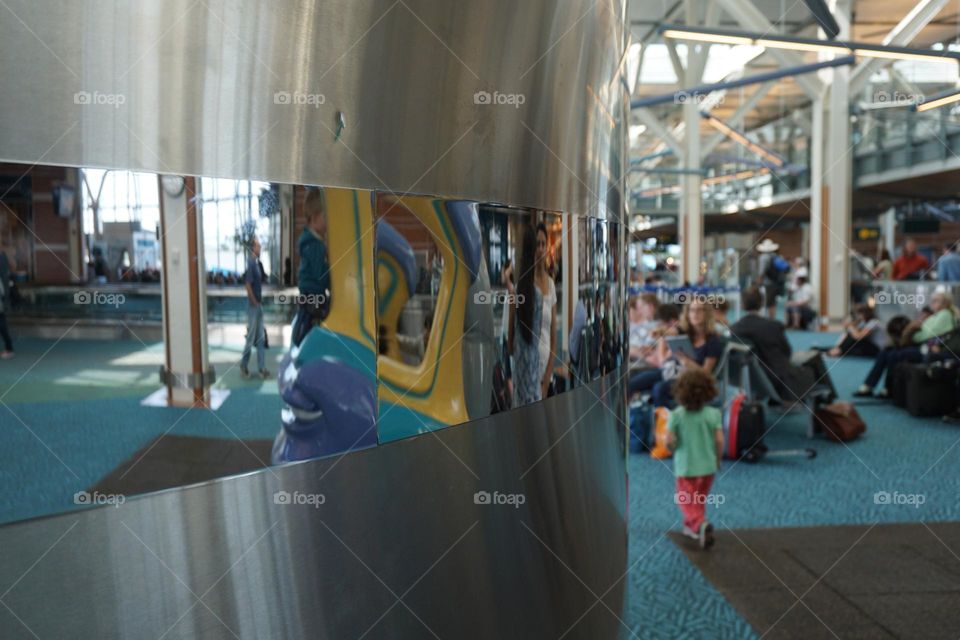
548,298
4,305
910,265
256,333
313,276
99,266
526,316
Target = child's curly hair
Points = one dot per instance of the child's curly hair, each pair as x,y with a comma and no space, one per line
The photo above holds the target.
694,388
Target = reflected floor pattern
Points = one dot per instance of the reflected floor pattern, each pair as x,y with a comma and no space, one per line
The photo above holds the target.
70,415
669,598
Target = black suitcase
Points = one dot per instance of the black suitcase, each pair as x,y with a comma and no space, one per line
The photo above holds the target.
930,389
897,383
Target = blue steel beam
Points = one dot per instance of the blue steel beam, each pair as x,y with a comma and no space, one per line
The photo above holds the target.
821,13
681,96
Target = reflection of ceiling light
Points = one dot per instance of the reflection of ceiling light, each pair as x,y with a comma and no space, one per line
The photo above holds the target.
939,101
862,49
636,130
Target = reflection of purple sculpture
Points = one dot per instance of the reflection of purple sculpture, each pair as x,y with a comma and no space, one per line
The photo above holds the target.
330,409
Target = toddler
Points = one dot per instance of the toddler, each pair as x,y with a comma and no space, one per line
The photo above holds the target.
695,435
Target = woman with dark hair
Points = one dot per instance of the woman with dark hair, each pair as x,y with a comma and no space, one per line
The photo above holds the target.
547,289
884,268
526,314
862,336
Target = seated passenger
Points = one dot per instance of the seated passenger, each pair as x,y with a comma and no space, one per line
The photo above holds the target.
800,306
642,309
942,321
313,276
862,335
697,323
720,309
769,341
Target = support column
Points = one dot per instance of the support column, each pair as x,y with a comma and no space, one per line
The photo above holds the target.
839,179
186,374
690,220
288,232
76,263
888,222
831,193
818,274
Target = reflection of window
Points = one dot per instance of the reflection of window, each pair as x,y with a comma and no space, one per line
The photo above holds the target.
120,196
231,210
409,272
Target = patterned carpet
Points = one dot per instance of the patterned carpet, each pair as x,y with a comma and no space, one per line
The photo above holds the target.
76,410
669,598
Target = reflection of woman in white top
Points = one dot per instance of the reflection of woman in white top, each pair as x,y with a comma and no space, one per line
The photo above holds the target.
548,324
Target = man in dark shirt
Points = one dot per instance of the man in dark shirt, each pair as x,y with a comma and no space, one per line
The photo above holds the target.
768,340
256,333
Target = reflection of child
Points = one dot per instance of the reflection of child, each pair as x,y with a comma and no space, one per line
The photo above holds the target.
696,438
313,276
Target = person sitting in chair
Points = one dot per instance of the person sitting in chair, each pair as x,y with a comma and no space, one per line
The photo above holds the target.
768,341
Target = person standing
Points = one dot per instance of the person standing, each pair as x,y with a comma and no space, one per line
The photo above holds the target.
256,333
910,265
7,352
526,317
546,287
313,277
948,267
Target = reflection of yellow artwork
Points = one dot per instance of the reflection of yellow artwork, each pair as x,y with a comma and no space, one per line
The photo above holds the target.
430,395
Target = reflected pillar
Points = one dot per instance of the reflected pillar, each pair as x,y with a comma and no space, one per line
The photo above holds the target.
186,373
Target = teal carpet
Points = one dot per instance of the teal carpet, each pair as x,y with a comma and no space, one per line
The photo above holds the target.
70,419
669,598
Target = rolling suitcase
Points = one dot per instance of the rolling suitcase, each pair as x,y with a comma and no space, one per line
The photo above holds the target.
744,424
744,429
930,389
896,383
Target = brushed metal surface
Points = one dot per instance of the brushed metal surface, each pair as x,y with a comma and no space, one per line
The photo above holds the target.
399,522
248,90
399,548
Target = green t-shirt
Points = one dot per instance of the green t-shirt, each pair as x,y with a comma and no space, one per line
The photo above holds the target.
696,450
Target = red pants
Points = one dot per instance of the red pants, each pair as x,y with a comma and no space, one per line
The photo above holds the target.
691,497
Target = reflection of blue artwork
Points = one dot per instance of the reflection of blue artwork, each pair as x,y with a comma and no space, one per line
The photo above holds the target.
329,387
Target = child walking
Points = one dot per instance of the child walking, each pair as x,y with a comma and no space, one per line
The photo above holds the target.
313,278
695,435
